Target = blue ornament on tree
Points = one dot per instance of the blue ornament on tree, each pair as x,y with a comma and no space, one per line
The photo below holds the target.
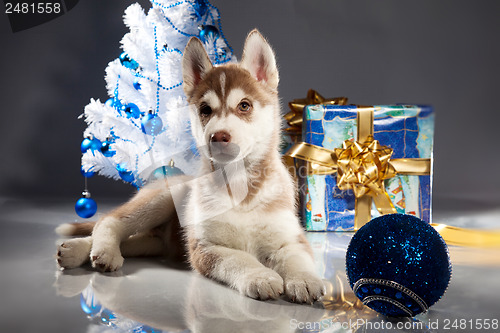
131,110
224,54
167,171
106,148
200,8
151,124
128,62
85,145
398,265
90,143
114,103
110,102
87,174
137,84
208,32
125,174
85,207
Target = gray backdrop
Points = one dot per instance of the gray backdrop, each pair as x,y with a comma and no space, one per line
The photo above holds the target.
443,53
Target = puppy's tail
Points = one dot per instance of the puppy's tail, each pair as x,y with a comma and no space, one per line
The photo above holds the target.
76,229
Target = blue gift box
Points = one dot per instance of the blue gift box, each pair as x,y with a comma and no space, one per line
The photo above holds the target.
407,129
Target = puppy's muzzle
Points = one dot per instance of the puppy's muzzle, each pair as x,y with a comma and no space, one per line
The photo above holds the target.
221,137
222,150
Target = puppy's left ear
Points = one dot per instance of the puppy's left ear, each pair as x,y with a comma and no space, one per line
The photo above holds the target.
195,65
258,58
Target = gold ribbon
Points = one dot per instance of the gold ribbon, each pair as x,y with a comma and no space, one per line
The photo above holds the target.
341,304
361,166
294,117
468,237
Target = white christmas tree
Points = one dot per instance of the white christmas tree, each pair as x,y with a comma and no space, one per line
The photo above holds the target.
144,125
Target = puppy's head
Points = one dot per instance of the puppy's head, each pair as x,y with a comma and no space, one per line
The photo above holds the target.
235,108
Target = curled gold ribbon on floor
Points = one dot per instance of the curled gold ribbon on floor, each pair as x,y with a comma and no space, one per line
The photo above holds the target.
468,237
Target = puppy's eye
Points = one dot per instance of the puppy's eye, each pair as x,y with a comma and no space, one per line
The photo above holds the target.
205,110
244,106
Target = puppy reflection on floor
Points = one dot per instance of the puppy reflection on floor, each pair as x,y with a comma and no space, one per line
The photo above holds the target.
142,296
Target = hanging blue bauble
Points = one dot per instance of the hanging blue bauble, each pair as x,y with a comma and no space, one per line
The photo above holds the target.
85,207
137,84
398,265
167,171
125,174
131,110
87,174
89,143
128,62
208,32
85,145
151,124
200,8
106,148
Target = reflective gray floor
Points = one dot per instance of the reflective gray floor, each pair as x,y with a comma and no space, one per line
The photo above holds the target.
149,295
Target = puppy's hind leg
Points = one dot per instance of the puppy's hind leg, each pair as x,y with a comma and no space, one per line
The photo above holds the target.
149,208
75,252
142,246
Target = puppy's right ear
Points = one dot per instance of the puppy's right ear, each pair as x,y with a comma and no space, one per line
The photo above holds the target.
195,64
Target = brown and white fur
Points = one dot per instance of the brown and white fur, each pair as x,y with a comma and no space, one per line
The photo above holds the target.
256,246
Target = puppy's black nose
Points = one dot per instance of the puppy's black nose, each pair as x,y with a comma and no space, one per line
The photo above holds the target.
221,137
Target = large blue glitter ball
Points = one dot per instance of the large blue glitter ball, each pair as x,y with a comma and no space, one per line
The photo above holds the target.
85,207
398,265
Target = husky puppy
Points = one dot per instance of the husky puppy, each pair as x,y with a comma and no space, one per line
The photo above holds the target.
250,239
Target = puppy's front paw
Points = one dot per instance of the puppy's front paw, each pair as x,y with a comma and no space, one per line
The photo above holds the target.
304,287
106,260
73,253
262,283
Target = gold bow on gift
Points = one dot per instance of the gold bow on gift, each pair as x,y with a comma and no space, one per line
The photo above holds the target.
361,166
294,117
